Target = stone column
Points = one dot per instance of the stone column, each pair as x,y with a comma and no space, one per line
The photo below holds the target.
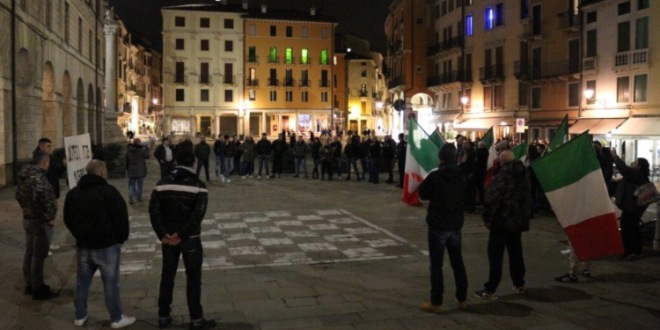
111,131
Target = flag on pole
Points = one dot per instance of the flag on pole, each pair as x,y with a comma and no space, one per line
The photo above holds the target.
489,141
421,158
573,182
561,135
520,152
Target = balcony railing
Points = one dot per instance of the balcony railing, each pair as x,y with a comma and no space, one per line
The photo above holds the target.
590,64
632,58
493,72
252,82
305,83
273,82
205,79
274,59
289,82
253,58
290,60
228,80
444,46
446,78
324,83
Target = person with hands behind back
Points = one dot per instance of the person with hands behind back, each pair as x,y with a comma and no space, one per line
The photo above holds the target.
177,208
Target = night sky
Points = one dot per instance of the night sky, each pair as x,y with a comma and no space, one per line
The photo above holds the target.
363,18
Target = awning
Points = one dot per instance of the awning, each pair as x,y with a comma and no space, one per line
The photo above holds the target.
640,126
596,126
483,124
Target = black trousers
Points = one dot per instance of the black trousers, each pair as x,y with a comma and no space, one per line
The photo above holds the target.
192,253
497,242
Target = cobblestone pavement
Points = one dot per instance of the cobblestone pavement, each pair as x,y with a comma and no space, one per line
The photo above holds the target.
295,253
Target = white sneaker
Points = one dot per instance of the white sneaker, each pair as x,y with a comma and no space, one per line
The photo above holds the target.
245,177
54,247
224,179
123,322
80,322
228,180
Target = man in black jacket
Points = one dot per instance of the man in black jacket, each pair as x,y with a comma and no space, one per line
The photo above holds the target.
165,156
96,215
177,207
444,188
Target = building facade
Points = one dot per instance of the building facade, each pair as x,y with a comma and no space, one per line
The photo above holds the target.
57,89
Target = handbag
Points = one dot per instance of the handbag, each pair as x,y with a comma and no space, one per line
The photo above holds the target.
646,194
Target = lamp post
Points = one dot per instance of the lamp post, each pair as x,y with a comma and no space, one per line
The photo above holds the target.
464,102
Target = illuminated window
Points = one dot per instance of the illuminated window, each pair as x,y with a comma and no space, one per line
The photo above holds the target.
324,57
490,18
288,56
252,54
272,55
469,22
304,59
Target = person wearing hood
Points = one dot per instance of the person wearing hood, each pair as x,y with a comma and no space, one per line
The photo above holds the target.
96,215
507,209
444,188
37,199
176,210
136,169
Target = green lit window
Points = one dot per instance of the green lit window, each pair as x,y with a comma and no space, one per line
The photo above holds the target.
304,56
324,57
272,55
289,56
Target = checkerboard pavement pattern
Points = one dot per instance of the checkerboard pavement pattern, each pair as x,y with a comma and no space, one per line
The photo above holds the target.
253,239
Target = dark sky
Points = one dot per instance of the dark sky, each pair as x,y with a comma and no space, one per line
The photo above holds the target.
364,18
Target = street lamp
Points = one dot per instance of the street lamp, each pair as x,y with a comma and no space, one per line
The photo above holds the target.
588,93
464,102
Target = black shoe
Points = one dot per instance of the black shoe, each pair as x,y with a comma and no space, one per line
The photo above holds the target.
28,290
164,322
202,324
567,278
44,293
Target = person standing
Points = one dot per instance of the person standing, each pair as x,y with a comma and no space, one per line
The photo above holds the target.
263,153
55,170
336,147
136,168
228,151
165,156
316,157
388,153
467,161
36,197
176,210
507,210
217,150
444,188
300,151
327,156
351,153
634,176
280,146
375,148
401,150
480,168
248,152
202,153
96,215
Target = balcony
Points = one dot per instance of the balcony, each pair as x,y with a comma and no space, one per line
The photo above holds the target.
546,70
631,59
493,72
253,59
205,79
252,82
324,83
274,60
228,80
289,82
305,83
446,45
446,78
590,65
273,82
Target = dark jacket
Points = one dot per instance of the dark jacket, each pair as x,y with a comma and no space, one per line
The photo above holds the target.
95,213
300,149
264,147
315,148
248,151
351,149
160,153
508,206
53,173
217,147
481,163
401,149
279,147
202,150
178,204
625,194
444,188
35,194
468,161
388,150
136,156
228,149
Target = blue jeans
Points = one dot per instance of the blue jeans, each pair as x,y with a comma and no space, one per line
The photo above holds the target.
301,163
135,188
107,262
193,255
229,166
263,163
438,241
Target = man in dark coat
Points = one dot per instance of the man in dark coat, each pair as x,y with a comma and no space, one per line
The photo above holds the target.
177,208
136,169
96,215
467,160
507,210
263,154
165,157
401,150
55,170
280,146
387,155
444,189
202,153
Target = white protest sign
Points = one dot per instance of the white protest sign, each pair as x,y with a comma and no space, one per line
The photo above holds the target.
78,150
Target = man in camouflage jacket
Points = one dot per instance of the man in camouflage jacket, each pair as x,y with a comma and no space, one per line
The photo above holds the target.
37,199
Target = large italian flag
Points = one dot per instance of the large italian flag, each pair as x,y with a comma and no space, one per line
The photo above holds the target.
421,158
489,140
573,182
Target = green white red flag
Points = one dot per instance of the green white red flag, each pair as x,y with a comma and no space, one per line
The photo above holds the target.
489,141
561,135
520,152
421,158
573,183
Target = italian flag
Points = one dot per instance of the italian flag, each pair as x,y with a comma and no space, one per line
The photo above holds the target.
489,140
421,158
573,182
561,135
520,152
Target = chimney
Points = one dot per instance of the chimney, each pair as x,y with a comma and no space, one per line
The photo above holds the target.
312,11
264,9
245,4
